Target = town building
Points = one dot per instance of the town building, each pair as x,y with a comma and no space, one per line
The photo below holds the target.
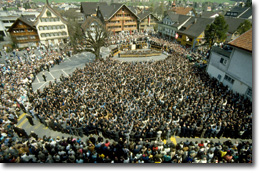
171,23
233,24
52,27
191,33
90,8
147,21
240,12
23,32
233,67
89,25
187,30
118,17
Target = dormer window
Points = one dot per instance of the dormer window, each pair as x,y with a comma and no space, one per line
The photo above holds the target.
48,13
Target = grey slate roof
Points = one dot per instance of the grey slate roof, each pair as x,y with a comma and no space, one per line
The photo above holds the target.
194,29
233,23
109,10
208,14
89,8
247,14
27,19
144,14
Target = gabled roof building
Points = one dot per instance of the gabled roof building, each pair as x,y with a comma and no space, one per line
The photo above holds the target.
234,67
23,32
52,27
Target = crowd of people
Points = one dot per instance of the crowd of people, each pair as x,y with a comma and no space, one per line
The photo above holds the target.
18,70
139,99
33,149
135,104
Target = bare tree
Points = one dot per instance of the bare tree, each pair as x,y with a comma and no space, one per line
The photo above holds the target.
96,37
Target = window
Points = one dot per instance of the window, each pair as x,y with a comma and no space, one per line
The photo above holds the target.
22,38
29,30
249,92
45,28
219,77
43,35
32,37
223,61
48,13
229,79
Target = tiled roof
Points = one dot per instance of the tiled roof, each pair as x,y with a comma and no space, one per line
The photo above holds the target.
182,10
244,41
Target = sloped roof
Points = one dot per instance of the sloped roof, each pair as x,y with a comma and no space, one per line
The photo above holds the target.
144,14
242,12
247,14
244,41
196,26
182,10
52,10
89,8
208,14
26,20
177,18
109,11
90,20
233,23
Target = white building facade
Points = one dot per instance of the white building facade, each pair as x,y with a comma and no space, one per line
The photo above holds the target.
233,69
51,27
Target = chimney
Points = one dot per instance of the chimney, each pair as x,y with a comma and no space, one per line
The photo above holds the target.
195,20
47,2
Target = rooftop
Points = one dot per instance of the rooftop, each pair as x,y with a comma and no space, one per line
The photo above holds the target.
244,41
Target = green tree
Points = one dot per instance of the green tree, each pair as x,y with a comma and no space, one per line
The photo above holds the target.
216,32
151,9
248,3
243,27
160,10
27,5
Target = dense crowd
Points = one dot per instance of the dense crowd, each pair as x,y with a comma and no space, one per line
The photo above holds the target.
139,99
133,103
33,149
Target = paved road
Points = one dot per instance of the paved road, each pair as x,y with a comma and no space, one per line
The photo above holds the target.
67,67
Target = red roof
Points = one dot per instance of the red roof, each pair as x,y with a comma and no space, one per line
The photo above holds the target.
244,41
182,10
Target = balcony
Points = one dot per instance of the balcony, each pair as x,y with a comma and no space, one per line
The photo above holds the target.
114,24
224,52
23,33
